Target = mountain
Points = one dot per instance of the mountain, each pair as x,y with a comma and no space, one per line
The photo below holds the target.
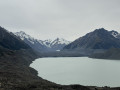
42,45
33,43
56,44
9,41
96,40
112,53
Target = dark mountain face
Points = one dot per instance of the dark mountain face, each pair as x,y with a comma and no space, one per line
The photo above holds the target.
98,39
10,41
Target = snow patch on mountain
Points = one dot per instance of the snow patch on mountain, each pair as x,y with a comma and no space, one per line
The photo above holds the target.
115,33
24,36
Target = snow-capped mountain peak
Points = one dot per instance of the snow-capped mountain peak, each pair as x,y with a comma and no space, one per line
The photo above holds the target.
60,41
27,37
23,35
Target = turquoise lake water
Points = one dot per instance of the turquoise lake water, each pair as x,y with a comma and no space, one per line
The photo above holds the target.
79,70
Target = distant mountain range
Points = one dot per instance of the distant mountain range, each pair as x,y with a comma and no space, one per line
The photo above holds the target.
97,41
42,45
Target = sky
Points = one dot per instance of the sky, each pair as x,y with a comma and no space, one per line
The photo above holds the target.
69,19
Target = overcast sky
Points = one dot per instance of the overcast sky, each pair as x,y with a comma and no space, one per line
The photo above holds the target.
69,19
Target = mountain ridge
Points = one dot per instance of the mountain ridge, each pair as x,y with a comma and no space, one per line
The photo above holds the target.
98,39
42,45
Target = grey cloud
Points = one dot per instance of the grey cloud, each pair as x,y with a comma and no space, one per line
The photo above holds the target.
69,19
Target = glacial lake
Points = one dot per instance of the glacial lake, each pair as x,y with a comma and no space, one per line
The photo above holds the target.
79,70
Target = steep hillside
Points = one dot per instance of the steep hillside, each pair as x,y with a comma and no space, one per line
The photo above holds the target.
10,41
98,39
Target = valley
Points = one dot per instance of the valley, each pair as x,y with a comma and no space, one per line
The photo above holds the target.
16,55
59,44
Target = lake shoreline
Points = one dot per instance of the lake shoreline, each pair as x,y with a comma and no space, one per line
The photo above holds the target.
84,85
